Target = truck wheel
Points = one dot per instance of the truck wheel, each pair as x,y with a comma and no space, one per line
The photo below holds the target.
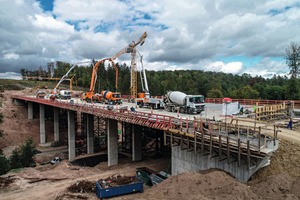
188,111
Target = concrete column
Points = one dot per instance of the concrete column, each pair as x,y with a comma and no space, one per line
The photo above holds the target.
136,143
30,110
42,124
71,134
90,134
112,142
56,124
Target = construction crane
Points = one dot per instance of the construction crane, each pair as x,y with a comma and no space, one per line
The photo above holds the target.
131,49
144,99
71,82
64,93
90,95
64,77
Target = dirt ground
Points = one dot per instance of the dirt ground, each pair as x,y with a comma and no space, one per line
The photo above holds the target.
280,180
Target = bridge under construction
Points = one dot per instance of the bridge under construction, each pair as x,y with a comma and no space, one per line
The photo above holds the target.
195,144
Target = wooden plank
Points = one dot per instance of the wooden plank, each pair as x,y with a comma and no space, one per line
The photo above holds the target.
259,137
228,150
210,143
239,152
220,146
195,143
248,155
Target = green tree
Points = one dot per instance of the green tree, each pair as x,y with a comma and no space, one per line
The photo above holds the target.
292,90
1,117
22,156
246,92
1,120
293,62
27,154
293,59
15,159
4,164
275,92
215,93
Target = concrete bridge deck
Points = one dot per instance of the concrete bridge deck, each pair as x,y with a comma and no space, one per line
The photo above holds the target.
200,138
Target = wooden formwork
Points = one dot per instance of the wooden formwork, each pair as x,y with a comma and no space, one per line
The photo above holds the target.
271,112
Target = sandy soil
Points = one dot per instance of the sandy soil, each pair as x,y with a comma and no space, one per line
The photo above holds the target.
280,180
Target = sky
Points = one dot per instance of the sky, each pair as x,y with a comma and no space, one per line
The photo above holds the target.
212,35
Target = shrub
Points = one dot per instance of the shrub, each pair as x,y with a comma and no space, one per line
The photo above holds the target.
23,156
1,117
4,163
27,153
15,159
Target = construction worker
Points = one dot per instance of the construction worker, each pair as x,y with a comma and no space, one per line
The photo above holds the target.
290,124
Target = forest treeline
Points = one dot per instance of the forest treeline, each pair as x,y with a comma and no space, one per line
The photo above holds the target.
209,84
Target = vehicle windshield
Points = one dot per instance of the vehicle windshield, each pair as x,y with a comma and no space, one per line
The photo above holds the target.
197,99
117,95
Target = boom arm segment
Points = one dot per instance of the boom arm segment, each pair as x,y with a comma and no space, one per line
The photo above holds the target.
144,81
94,73
66,75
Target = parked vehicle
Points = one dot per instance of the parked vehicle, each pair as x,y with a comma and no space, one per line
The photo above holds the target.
109,97
64,94
40,94
55,160
176,101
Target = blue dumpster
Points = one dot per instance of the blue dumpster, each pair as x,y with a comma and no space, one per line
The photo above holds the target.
102,192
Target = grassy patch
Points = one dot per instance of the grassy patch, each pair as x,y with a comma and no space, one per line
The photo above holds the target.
16,170
8,84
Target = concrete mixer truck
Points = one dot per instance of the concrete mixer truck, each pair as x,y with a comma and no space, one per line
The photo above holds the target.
111,97
178,101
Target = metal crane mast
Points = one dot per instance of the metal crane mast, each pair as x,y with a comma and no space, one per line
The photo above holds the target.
131,49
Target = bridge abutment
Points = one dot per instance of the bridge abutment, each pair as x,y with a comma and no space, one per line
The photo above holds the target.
187,161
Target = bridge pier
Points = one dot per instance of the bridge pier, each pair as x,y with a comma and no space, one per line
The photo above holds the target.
30,110
56,123
42,124
71,135
90,133
136,142
112,141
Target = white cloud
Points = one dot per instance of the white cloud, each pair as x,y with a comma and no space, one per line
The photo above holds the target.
268,68
11,56
181,35
48,23
10,75
232,67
